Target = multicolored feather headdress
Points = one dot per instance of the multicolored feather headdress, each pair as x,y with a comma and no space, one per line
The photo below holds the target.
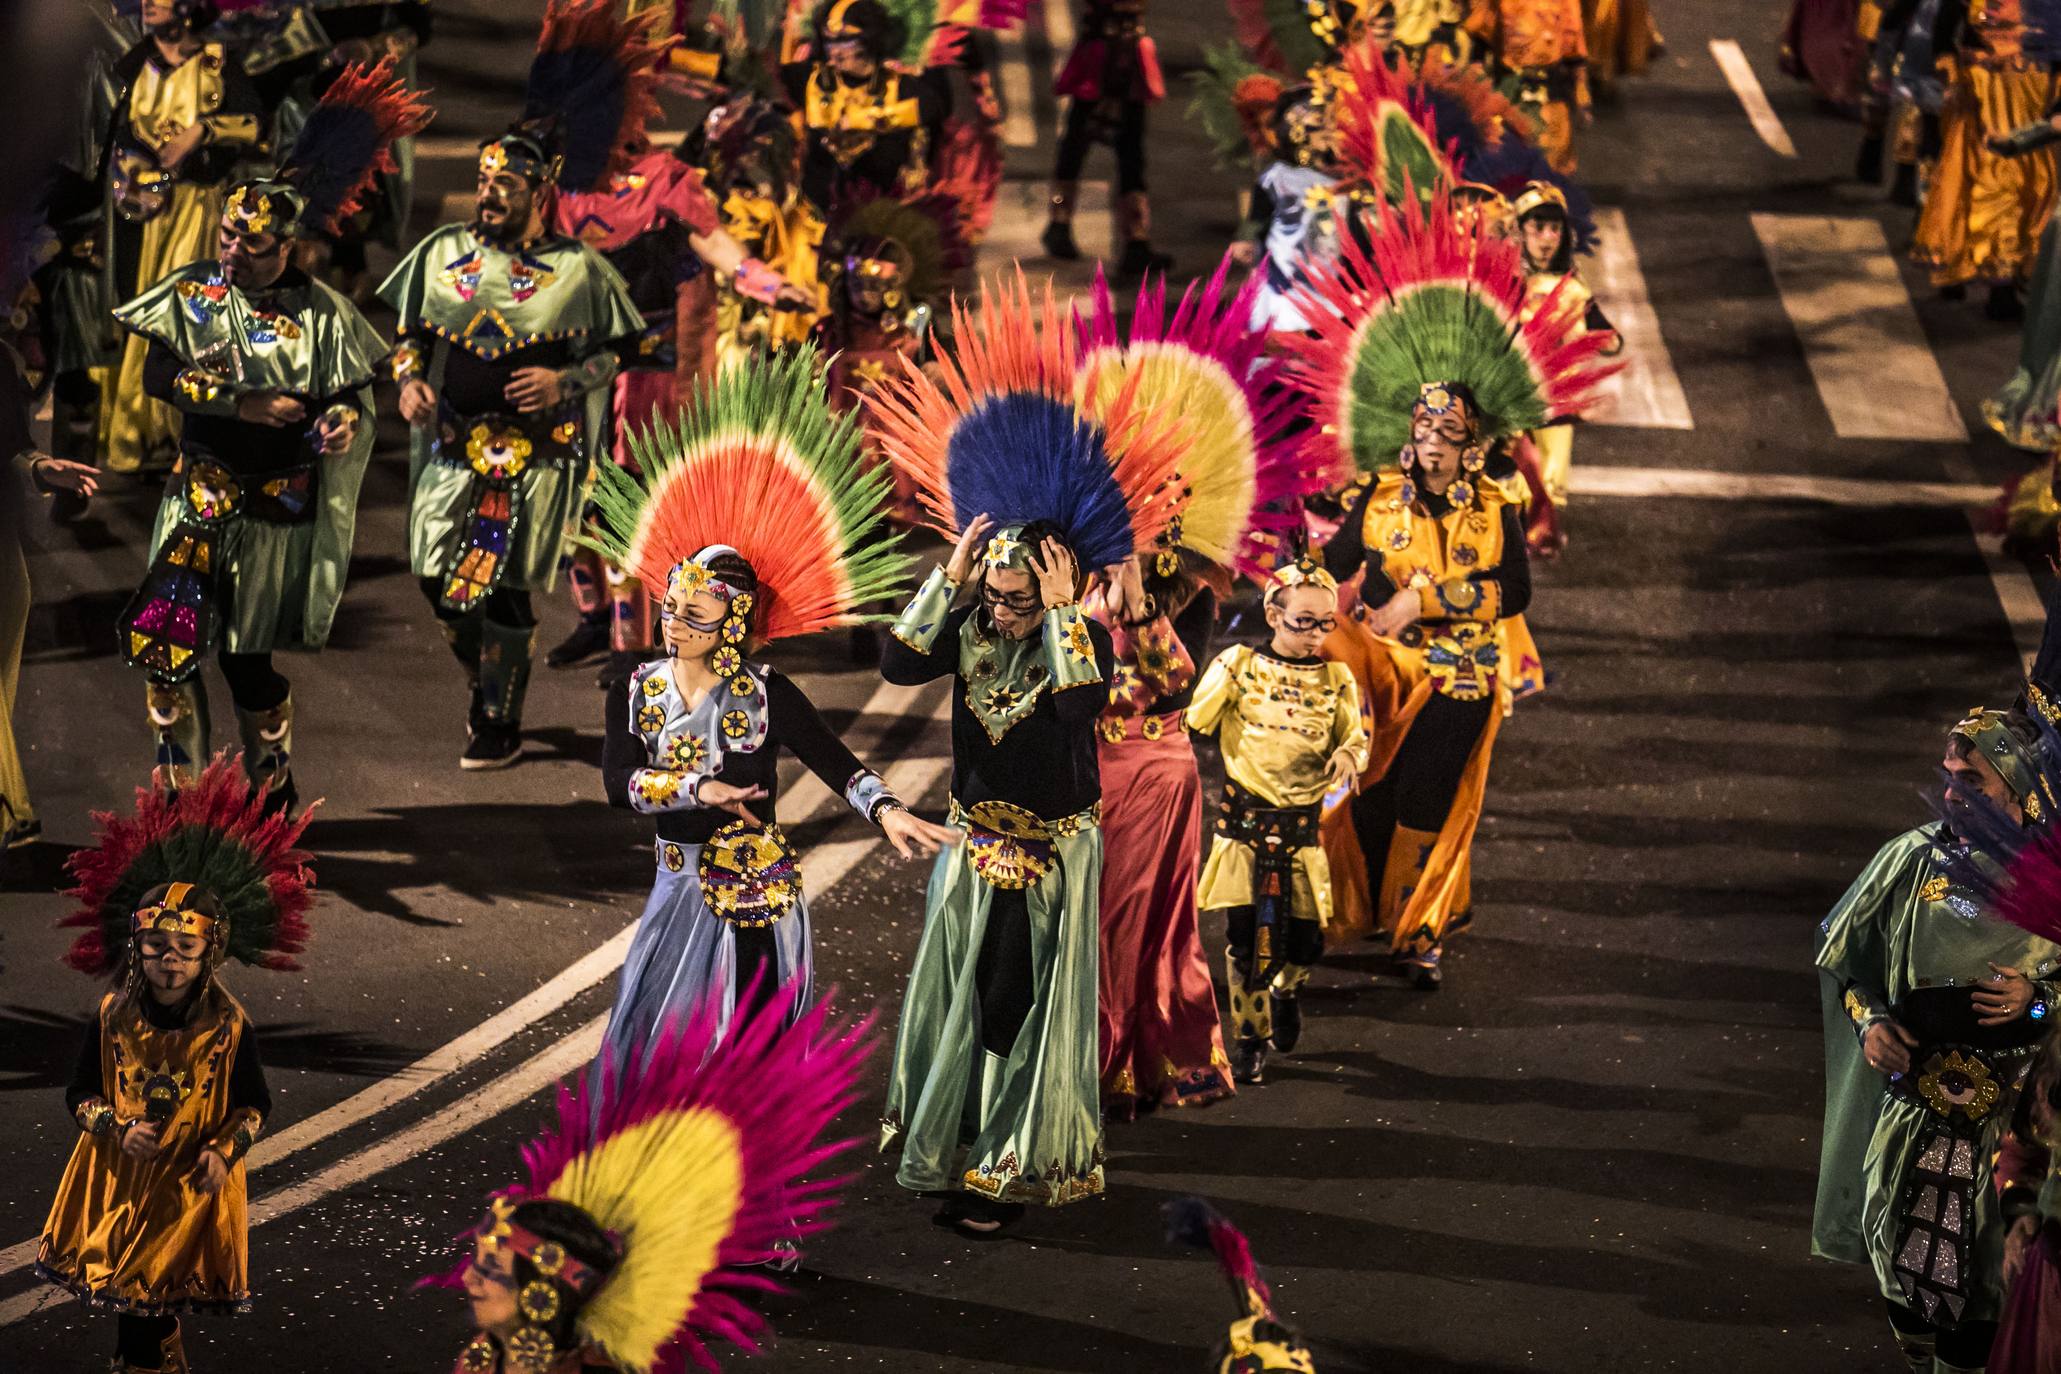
215,836
756,461
1512,163
592,89
1433,302
345,144
1006,438
1388,130
695,1167
1258,1342
1207,365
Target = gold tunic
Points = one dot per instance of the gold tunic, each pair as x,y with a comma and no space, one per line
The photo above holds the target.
134,1233
1277,725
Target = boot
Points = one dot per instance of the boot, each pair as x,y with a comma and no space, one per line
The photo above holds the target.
1249,1062
464,635
268,754
1867,167
588,639
1058,238
1284,1007
1251,1015
1138,257
504,679
1903,189
179,716
1424,968
629,613
1916,1349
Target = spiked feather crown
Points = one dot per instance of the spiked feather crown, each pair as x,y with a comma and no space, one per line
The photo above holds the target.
1004,436
346,143
756,461
1206,365
1433,302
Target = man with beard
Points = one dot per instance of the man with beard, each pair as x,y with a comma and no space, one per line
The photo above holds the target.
272,372
507,350
1933,1008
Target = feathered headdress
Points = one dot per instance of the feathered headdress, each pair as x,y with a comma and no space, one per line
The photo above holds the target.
1258,1342
926,227
1279,35
344,146
1388,129
694,1168
215,835
1468,108
1233,98
757,462
1206,365
592,89
1005,438
1433,302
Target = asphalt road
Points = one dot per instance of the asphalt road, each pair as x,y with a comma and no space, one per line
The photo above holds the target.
1593,1151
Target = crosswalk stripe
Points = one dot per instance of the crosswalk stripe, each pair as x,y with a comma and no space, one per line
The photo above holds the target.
1867,352
1059,30
1703,484
1019,123
1646,394
1731,60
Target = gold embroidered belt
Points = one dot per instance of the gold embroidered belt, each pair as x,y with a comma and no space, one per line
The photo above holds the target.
1012,847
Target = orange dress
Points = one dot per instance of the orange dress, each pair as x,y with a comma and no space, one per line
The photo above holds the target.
1544,46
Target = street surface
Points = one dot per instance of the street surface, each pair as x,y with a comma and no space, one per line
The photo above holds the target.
1593,1151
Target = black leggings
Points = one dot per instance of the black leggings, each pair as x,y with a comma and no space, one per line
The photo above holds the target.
1302,941
1002,973
1418,789
140,1341
504,606
1080,136
1964,1347
253,683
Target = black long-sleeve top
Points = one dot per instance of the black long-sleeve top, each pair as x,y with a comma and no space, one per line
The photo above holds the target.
1046,763
792,723
1346,554
1195,626
247,1086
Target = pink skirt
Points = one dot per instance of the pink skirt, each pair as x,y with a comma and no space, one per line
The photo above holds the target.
1161,1046
2029,1333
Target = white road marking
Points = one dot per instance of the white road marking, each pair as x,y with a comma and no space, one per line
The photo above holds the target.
1867,352
532,1075
1702,484
1647,393
1059,29
822,869
1731,60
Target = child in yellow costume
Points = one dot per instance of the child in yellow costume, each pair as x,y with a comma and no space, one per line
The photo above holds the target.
168,1093
1289,726
1550,275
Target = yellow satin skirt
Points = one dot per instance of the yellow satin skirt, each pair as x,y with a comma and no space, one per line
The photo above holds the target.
1983,214
1227,880
143,434
1394,695
15,812
1555,444
1621,37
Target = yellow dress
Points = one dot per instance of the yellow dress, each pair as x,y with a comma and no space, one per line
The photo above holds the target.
143,433
1543,45
1983,213
1555,443
1277,724
1463,647
134,1233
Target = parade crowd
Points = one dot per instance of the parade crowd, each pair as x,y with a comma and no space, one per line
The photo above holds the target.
714,380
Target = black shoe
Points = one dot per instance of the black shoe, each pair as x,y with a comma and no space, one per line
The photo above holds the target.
1867,167
1249,1062
1138,259
1903,191
1957,292
1425,972
1287,1013
1058,241
493,745
588,638
280,801
2004,304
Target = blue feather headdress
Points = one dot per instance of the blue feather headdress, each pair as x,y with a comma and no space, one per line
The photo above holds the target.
345,144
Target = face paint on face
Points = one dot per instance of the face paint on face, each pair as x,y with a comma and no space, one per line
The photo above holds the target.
690,623
1439,440
505,205
848,58
171,962
1300,617
1013,601
249,261
490,1288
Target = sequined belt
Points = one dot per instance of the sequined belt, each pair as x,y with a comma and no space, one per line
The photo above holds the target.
171,622
747,871
1011,847
498,449
1960,1084
1117,729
